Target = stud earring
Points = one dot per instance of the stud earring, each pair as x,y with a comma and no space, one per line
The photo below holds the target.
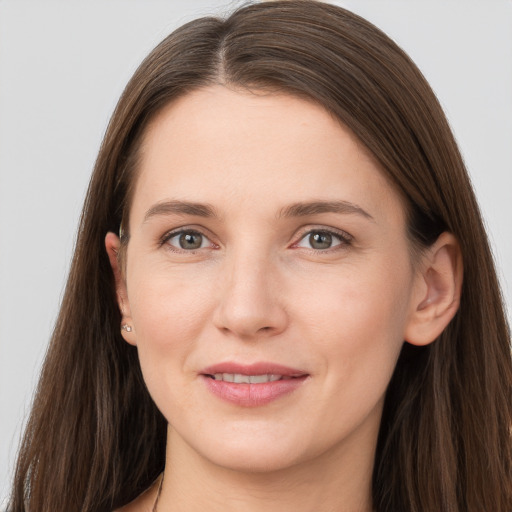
126,327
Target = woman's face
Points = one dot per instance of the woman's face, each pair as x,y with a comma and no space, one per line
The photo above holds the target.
265,244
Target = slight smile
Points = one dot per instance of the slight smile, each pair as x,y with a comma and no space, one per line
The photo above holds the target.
252,385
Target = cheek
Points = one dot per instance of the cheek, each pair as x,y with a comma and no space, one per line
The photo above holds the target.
169,312
350,299
358,322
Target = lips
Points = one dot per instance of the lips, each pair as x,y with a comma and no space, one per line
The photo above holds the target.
239,378
252,385
261,368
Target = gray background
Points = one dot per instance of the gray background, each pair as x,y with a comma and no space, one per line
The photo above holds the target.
63,64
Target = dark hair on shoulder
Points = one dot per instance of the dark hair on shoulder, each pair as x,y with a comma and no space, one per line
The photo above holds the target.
95,439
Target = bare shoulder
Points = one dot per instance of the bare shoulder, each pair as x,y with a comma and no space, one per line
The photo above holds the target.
144,502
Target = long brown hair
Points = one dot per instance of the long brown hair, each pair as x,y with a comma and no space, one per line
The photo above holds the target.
95,439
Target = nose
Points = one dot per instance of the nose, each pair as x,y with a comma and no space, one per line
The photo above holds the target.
251,299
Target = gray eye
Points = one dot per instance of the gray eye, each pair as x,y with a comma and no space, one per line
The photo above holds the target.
320,240
188,240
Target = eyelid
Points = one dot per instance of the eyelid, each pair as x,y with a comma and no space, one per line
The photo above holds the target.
344,237
168,235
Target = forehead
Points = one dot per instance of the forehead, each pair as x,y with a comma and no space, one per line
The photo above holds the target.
229,147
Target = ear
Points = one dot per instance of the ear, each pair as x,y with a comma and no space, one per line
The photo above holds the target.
436,295
112,244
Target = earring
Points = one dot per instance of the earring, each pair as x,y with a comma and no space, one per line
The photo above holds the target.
126,327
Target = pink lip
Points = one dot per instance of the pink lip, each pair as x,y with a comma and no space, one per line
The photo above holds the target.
253,395
260,368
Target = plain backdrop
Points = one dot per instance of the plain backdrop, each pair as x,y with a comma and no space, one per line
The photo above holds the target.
63,64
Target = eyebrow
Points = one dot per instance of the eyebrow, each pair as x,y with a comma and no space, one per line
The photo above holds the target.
302,209
180,208
318,207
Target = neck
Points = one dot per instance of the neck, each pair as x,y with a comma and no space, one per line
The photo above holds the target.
338,480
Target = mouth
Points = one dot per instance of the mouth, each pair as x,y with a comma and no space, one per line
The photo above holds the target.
252,385
255,373
239,378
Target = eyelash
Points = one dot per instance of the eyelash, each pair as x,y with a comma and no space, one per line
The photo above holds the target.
172,234
344,239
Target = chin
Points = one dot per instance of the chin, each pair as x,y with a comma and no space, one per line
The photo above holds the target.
248,453
254,461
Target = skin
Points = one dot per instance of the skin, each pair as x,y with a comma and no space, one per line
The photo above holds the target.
258,290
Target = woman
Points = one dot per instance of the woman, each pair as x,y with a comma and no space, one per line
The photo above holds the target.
266,307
